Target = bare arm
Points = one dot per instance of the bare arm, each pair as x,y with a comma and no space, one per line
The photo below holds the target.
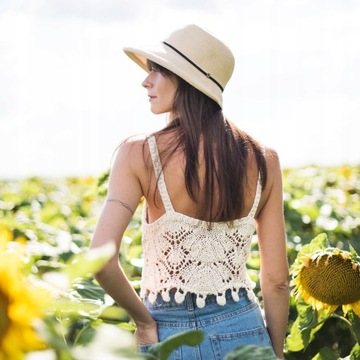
124,195
274,266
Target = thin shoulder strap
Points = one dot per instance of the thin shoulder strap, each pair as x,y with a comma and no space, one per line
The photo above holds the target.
154,152
257,197
258,190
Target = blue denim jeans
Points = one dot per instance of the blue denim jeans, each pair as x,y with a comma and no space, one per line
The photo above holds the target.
225,327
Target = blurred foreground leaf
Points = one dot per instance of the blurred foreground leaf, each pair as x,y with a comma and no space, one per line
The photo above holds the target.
163,350
89,262
251,352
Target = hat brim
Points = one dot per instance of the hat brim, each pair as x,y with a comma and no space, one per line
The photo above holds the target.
169,59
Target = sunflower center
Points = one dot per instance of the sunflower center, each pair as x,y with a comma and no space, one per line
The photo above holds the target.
332,280
4,320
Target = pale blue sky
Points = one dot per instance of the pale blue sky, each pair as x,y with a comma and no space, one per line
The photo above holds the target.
68,94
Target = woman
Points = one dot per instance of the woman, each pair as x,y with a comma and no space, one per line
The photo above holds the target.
208,186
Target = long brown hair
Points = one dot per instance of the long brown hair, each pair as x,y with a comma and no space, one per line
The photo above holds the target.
200,120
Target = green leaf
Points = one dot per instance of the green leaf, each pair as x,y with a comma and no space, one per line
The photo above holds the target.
89,262
308,317
77,308
87,289
355,352
103,183
326,354
294,342
163,349
353,252
305,326
320,242
85,335
113,314
355,324
251,352
53,334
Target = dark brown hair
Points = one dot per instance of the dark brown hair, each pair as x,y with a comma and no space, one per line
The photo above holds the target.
200,120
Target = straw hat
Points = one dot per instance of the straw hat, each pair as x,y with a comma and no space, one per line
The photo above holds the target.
195,55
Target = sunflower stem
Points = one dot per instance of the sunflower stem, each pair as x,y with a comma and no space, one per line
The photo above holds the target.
63,355
339,317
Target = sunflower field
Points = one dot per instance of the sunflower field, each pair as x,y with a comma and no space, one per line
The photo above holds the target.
51,308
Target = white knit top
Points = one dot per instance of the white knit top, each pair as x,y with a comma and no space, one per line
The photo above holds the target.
181,253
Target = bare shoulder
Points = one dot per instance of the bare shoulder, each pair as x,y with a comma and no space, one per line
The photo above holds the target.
272,193
272,161
130,151
132,143
274,172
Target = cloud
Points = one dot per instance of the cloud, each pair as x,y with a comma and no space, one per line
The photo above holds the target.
201,5
310,49
99,10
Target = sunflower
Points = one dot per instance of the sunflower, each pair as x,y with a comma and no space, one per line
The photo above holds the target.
21,303
327,278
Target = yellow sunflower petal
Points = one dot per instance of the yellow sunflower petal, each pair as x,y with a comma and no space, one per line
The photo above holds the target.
6,235
21,304
354,307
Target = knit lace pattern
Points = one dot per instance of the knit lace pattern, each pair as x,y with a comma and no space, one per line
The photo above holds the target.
181,253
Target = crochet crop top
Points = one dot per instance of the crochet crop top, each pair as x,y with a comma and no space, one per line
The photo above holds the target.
181,253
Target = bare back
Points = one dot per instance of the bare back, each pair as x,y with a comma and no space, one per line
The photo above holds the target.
174,174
